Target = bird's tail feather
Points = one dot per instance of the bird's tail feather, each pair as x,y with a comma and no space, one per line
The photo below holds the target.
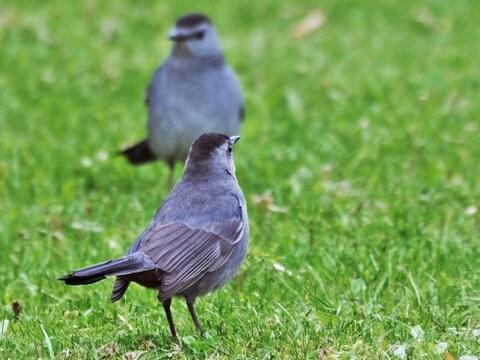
139,153
119,289
132,264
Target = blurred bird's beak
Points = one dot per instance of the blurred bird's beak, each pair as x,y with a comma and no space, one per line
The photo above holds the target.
233,139
178,35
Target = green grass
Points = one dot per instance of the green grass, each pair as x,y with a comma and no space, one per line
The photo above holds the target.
366,131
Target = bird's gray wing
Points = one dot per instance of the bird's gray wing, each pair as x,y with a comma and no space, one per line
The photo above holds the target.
153,84
185,255
139,241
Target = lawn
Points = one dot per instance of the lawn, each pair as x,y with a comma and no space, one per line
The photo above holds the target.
360,161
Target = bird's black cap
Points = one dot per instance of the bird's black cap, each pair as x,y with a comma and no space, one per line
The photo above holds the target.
206,144
191,20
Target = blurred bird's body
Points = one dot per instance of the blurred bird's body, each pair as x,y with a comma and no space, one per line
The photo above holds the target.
197,239
193,92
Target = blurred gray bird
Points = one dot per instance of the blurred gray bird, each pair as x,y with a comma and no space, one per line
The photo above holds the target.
196,241
193,92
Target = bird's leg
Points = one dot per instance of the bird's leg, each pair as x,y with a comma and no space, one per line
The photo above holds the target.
191,309
166,307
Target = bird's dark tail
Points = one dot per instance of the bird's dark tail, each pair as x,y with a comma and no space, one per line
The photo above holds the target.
132,264
119,288
139,153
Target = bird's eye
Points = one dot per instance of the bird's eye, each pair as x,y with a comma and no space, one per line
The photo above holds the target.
199,35
230,148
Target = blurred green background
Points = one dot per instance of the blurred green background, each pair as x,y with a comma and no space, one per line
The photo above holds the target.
359,159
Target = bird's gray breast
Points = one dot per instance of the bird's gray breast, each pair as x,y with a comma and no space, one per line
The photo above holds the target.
185,102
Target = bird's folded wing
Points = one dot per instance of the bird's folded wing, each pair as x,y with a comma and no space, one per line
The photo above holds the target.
152,86
185,255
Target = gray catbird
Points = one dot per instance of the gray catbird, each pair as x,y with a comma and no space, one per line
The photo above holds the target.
196,241
193,92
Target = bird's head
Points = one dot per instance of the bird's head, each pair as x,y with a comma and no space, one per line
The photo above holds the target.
194,34
211,153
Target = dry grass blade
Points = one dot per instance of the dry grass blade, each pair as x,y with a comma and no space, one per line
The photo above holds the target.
308,24
266,202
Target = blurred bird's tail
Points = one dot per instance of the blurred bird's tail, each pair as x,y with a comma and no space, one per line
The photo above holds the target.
132,264
139,153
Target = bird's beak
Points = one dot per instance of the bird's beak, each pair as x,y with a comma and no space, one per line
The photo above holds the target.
233,139
178,35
